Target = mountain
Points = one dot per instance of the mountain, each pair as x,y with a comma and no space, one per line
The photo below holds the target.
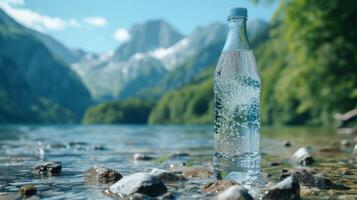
131,67
45,75
18,104
206,45
146,37
59,51
201,37
155,45
109,79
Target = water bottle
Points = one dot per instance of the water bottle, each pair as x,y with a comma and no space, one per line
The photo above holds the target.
237,89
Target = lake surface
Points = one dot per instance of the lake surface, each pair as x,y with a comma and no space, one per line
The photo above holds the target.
81,147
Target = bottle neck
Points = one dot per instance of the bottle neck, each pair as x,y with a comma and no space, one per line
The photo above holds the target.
237,35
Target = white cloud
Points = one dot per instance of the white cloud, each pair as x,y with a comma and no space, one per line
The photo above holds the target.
13,2
74,23
17,10
122,35
96,21
34,19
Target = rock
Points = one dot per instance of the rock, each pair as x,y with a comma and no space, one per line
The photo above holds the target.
345,143
320,181
272,164
57,146
47,169
345,171
312,178
143,183
76,143
28,190
284,175
286,144
302,157
284,171
355,151
288,189
193,172
139,156
98,174
99,147
266,175
218,186
164,175
235,192
179,154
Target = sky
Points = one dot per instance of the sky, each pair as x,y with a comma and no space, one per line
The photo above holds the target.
102,25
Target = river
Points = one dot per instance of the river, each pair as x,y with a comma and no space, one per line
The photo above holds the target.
81,147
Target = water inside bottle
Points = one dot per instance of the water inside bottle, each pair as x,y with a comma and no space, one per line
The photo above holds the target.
237,107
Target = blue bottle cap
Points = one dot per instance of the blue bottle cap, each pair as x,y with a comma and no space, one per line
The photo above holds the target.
238,12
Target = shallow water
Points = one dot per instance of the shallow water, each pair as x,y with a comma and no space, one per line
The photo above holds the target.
80,147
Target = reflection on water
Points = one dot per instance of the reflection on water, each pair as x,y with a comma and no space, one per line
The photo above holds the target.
80,147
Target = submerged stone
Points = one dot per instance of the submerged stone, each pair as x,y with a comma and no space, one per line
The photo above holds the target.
47,169
194,172
28,190
140,156
218,186
143,183
99,174
288,189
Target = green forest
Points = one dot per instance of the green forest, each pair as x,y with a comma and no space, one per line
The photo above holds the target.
308,66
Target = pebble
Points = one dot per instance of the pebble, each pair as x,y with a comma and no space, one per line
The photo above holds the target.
77,143
218,186
99,174
287,189
194,172
28,190
355,151
286,144
141,182
345,143
272,164
345,171
179,154
140,156
57,146
302,157
47,169
235,192
99,147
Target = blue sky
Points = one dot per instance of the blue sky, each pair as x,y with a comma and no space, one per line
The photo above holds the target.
101,25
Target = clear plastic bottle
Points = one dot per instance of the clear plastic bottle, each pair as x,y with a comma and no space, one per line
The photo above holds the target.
237,89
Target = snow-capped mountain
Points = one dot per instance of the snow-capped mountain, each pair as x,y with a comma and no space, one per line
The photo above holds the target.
154,50
147,36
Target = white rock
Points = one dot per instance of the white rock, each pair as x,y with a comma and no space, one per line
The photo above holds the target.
235,192
302,157
143,183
